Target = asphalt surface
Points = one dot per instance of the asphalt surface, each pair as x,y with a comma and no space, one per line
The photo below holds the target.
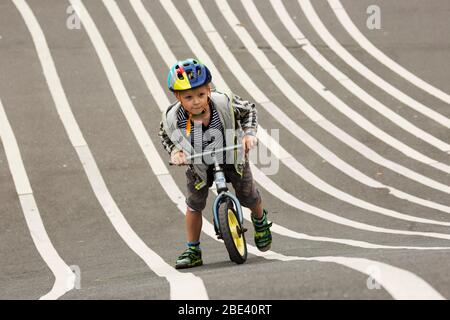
413,33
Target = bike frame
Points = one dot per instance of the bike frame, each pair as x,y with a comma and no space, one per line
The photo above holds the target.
222,197
221,186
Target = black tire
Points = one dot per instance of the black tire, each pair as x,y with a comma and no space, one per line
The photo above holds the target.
227,234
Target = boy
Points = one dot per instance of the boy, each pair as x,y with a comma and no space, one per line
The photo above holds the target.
202,119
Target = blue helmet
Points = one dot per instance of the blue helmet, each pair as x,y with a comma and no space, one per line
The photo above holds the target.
188,74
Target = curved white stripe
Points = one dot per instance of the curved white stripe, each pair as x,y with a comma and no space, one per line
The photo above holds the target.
339,164
180,290
289,199
326,154
182,285
339,76
168,56
393,285
276,228
351,86
323,32
290,162
380,56
302,72
289,92
298,68
236,25
401,284
227,56
396,281
64,277
144,66
349,242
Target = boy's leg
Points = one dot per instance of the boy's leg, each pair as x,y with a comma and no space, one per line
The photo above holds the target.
249,197
194,223
196,202
192,255
257,210
245,188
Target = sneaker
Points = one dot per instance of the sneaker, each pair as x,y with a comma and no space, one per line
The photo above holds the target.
191,257
263,236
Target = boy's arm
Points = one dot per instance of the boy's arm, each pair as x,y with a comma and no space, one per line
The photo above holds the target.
247,115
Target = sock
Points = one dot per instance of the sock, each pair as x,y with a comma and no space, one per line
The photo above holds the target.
259,222
195,245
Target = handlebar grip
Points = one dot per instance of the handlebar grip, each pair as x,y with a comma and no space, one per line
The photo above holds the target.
174,164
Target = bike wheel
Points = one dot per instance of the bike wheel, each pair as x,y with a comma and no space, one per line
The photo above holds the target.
232,232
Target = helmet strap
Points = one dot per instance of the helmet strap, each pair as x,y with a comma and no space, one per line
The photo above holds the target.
192,117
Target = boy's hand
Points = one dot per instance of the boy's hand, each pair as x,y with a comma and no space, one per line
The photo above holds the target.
248,142
178,158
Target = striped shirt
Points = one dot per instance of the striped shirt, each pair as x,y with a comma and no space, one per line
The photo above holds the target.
211,135
245,114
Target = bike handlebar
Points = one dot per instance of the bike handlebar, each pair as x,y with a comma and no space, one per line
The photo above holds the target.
209,153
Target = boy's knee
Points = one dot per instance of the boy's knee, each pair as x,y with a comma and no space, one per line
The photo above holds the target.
249,199
196,202
192,210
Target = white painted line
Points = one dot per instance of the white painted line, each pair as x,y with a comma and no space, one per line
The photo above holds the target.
349,242
380,56
270,38
159,41
331,42
289,199
157,38
64,277
259,96
234,66
395,118
168,56
182,285
177,197
276,228
401,284
191,287
279,115
335,161
298,68
322,185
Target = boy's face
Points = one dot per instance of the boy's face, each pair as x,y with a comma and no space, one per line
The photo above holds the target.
194,100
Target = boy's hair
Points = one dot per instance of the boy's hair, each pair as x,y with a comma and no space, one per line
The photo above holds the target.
188,74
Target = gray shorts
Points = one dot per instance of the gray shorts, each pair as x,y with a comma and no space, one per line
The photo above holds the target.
245,188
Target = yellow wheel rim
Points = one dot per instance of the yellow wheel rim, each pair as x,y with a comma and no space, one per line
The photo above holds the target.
237,238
